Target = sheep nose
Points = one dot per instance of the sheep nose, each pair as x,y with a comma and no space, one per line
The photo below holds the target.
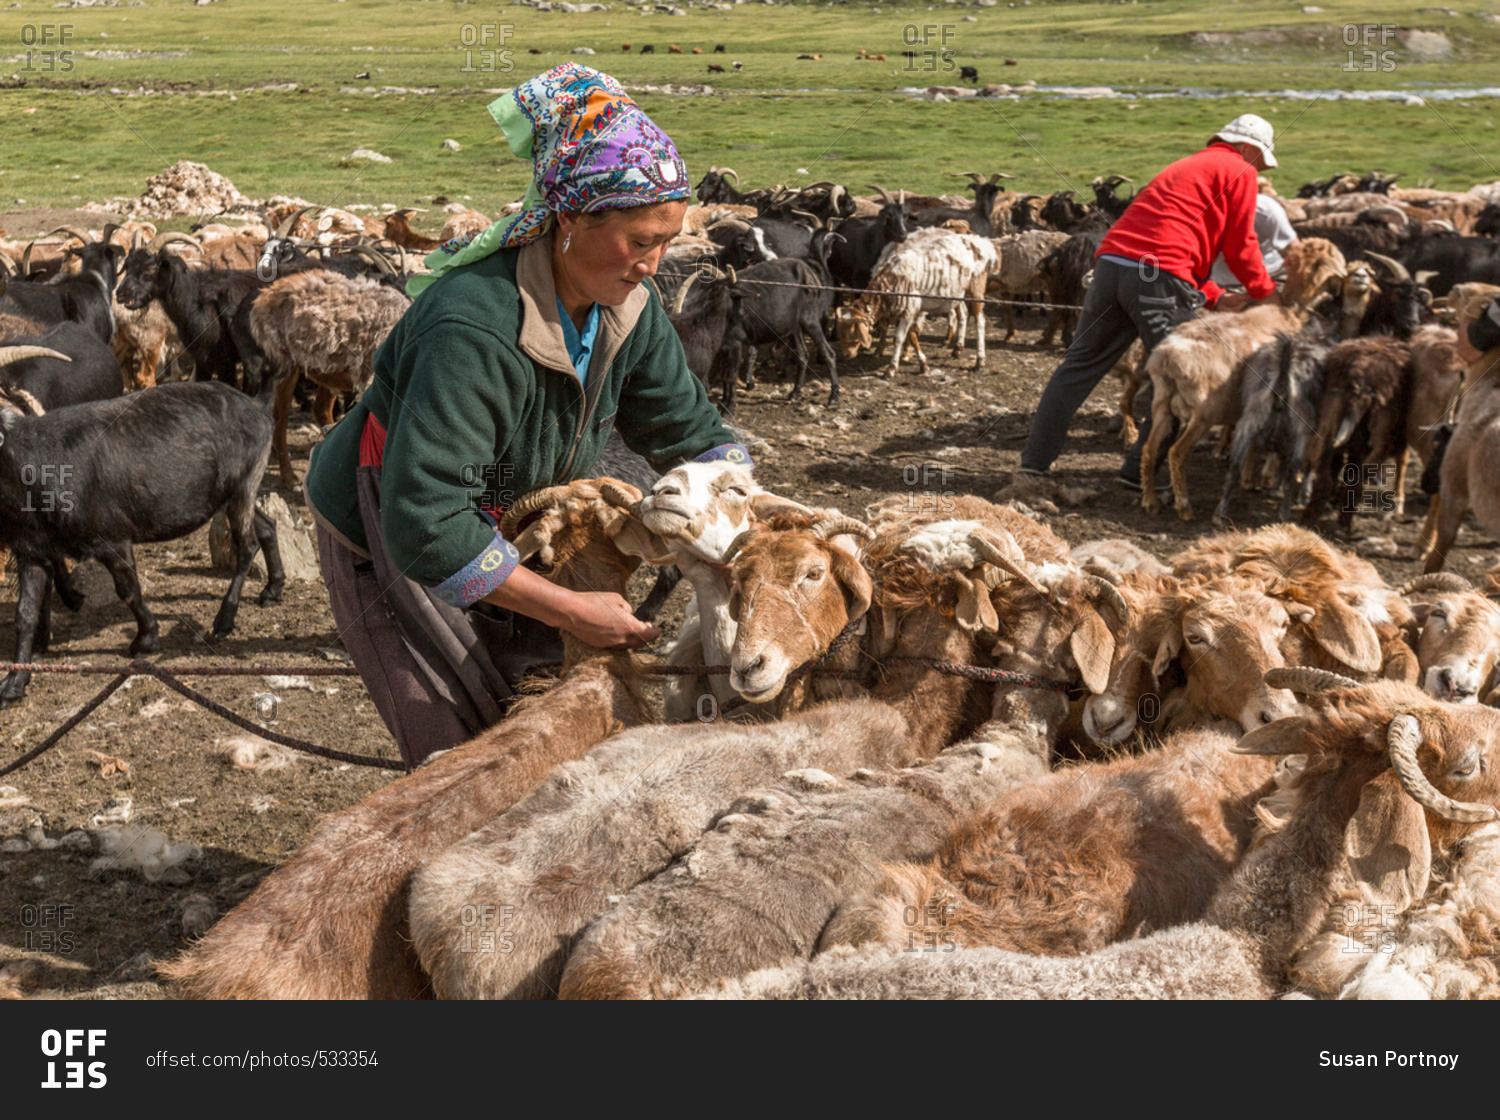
1267,716
750,668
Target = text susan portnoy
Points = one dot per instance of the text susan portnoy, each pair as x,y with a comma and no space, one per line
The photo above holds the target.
1389,1058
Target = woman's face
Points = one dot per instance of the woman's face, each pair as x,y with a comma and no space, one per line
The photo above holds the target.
607,260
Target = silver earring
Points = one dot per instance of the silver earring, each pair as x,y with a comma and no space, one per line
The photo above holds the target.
566,242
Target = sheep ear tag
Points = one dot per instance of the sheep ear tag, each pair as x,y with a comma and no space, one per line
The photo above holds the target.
1387,845
1347,635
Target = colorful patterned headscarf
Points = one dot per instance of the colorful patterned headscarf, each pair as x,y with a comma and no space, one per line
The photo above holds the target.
591,147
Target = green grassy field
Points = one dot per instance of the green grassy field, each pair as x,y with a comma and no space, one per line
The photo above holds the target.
77,129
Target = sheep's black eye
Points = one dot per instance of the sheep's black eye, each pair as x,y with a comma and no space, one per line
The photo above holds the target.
815,574
1197,640
1437,616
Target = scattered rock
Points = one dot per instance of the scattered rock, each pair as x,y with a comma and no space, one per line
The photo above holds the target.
451,146
39,839
77,841
367,154
14,845
199,913
299,556
581,50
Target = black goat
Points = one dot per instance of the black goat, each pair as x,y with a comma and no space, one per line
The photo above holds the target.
1452,260
701,325
86,371
1024,213
76,473
861,241
781,301
1279,392
1399,303
1063,270
1066,214
765,239
1106,201
208,306
969,73
1488,222
80,297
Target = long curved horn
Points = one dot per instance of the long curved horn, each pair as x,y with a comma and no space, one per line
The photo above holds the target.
1306,682
9,354
1435,581
841,524
731,171
1101,588
162,240
885,194
528,504
974,177
1391,265
291,223
735,545
617,496
992,550
679,301
72,232
813,218
21,401
26,259
997,176
375,257
9,266
1402,739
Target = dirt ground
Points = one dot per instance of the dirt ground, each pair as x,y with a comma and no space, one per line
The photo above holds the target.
954,430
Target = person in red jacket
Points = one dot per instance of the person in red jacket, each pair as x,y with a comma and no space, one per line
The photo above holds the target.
1151,273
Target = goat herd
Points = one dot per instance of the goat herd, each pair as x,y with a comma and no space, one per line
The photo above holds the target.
958,756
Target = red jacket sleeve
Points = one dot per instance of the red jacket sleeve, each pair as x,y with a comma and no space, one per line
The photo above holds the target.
1241,248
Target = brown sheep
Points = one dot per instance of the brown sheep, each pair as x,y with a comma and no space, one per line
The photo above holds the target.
1086,856
287,941
1391,785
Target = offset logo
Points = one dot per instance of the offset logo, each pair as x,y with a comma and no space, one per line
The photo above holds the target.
67,1044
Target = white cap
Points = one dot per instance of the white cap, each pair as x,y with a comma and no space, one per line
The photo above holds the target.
1250,129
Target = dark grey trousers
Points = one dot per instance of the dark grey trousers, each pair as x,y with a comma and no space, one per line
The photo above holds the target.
1122,303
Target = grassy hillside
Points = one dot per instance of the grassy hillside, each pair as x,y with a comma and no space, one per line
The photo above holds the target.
143,86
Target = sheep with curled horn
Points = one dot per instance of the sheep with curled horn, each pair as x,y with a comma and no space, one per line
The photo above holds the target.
285,942
1387,787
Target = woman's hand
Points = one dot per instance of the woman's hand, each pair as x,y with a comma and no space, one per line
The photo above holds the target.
599,618
604,619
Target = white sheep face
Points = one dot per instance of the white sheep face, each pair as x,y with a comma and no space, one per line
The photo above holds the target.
705,506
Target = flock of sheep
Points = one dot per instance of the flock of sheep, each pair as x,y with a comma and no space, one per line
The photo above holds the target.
1278,777
954,754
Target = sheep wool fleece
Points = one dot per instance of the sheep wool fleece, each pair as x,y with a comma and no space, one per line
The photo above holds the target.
475,402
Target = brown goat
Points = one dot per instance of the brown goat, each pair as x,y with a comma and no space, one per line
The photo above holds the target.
329,922
398,229
1195,371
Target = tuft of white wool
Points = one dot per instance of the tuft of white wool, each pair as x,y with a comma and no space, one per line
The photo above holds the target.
1373,609
945,544
245,752
1050,574
150,853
